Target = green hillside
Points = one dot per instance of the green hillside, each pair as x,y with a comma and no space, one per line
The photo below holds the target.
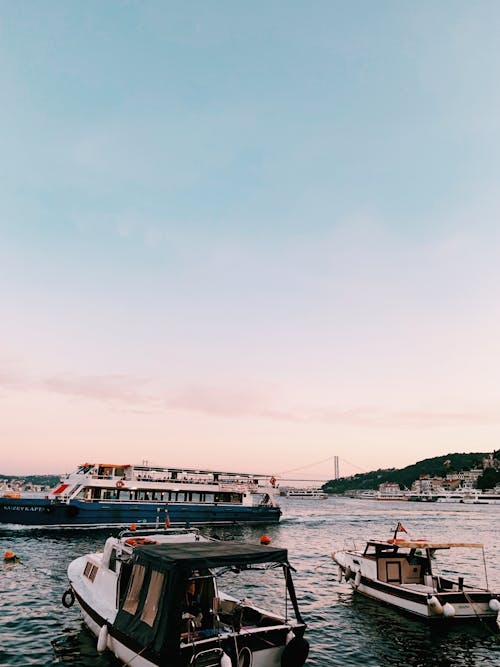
435,467
35,480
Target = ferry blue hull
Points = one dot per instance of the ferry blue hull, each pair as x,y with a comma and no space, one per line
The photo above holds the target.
81,514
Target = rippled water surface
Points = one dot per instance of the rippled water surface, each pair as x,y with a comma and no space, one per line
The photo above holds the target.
343,628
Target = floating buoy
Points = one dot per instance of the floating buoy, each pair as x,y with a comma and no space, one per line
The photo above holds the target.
434,605
265,539
494,604
102,640
10,557
448,610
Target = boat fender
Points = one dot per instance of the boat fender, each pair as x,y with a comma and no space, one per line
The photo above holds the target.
245,657
357,579
289,636
102,640
434,605
225,660
348,573
68,598
448,610
494,604
340,574
295,653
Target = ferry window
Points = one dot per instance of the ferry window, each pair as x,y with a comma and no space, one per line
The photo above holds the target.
152,599
120,472
134,589
181,497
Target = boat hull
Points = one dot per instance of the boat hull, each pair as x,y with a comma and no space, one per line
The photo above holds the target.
43,512
414,600
264,651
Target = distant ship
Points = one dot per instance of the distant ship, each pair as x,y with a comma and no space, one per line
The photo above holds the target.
98,495
391,491
307,493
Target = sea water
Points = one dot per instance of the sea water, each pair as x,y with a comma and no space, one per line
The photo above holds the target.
344,628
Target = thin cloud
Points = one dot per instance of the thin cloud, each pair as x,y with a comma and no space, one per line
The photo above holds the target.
130,393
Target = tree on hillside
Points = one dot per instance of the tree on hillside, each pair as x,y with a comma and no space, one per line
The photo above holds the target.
489,479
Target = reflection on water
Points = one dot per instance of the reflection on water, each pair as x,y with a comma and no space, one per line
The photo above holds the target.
344,629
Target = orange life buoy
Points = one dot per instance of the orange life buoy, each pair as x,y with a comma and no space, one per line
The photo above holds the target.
120,484
138,541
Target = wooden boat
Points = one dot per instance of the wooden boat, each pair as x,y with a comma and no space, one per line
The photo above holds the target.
403,572
134,599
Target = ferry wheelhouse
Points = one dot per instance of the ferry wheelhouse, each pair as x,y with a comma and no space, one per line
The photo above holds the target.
98,494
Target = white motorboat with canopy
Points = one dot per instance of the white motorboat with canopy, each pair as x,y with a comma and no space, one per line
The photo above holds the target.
132,597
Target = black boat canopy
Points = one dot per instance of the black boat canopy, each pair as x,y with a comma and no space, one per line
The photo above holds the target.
204,555
151,612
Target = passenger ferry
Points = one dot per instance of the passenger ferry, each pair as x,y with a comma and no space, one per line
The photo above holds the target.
107,494
310,492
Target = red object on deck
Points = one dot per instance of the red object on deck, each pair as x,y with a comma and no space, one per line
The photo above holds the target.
60,488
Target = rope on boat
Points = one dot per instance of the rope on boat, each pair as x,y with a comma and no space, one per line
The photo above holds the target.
492,633
125,664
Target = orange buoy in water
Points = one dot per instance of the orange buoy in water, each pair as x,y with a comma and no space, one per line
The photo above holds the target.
10,557
265,539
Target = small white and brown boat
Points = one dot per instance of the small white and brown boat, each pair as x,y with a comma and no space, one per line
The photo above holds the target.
405,573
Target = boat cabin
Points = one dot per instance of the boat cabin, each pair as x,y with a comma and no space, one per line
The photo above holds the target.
152,591
405,562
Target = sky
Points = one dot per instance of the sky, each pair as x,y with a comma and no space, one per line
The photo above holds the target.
248,237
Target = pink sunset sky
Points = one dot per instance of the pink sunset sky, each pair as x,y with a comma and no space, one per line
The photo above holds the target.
231,247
